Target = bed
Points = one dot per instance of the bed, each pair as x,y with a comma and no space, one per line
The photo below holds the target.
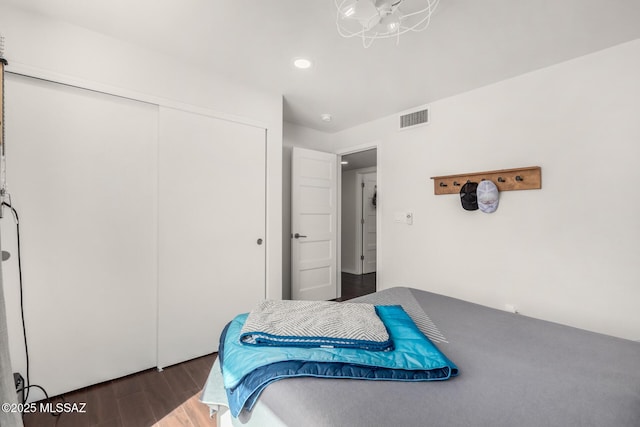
514,371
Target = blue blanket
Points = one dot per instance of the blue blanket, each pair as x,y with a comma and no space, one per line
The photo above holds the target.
248,370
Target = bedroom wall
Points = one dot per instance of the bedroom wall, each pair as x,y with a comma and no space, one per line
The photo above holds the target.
40,46
566,253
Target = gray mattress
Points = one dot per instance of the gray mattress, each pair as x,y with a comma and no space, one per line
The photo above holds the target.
514,371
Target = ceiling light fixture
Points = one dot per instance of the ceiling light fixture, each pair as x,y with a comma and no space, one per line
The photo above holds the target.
302,63
326,117
380,19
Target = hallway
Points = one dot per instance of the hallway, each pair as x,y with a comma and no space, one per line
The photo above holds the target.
354,285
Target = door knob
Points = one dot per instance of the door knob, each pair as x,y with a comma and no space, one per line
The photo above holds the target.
297,236
259,241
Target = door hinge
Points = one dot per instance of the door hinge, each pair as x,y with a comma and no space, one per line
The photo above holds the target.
362,257
362,184
362,221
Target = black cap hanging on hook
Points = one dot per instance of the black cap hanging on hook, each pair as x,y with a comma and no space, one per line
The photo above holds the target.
468,196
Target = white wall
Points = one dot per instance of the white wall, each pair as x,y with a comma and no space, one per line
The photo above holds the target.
568,252
38,46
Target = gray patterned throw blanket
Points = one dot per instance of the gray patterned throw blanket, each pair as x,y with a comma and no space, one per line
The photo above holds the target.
316,324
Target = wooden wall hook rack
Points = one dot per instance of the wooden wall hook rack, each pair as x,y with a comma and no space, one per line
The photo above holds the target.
529,178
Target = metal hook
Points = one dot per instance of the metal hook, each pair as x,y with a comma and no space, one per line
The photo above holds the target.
456,183
442,184
501,179
519,178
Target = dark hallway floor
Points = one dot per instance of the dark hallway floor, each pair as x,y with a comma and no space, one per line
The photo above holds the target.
354,285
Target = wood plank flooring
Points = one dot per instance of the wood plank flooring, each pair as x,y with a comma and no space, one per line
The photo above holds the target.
149,398
354,285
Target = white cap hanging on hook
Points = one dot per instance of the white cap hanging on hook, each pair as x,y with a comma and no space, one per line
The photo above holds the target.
488,196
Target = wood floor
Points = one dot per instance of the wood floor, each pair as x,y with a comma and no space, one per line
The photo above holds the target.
354,285
163,399
149,398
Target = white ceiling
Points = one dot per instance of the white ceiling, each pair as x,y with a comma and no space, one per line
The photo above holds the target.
360,159
469,44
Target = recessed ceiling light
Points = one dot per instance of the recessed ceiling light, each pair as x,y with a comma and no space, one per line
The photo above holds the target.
344,162
302,63
326,117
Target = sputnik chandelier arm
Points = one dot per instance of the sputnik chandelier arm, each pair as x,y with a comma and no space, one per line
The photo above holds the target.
380,19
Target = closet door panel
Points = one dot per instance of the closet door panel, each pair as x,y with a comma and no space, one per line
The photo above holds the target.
82,173
211,215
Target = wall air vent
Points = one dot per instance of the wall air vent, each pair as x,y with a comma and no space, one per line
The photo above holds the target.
413,119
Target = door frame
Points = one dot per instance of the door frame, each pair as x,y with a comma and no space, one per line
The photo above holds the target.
379,268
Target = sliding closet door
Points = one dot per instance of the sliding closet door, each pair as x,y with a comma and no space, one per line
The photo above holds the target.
81,170
211,229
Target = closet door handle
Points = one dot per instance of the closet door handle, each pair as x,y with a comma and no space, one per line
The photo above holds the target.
297,235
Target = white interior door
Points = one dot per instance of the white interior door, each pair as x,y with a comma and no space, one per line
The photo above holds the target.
211,218
368,223
314,213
